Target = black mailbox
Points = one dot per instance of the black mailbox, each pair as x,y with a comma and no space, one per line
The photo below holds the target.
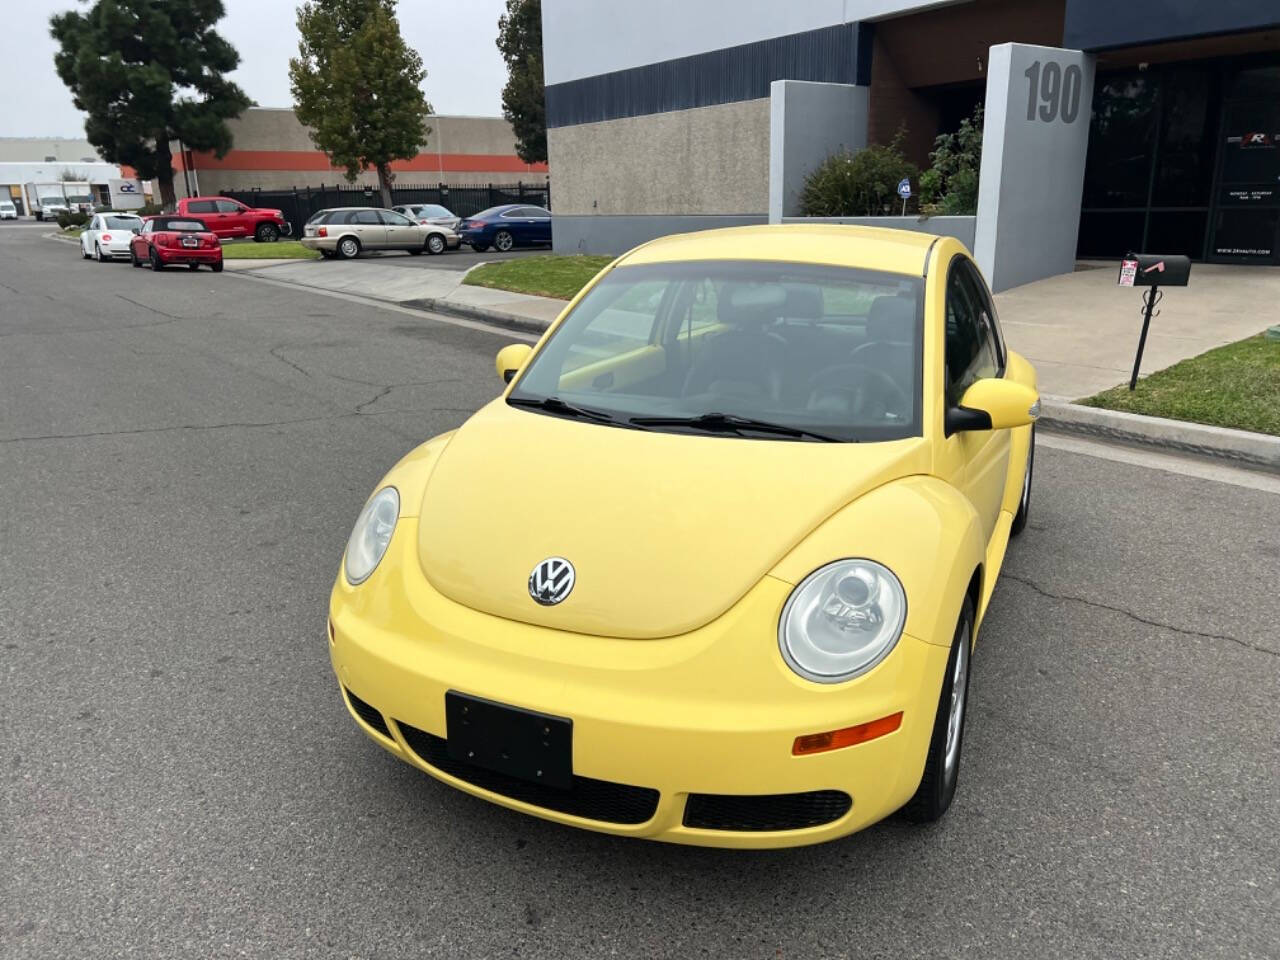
1154,270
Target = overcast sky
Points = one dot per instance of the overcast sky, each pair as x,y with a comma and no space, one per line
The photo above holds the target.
455,38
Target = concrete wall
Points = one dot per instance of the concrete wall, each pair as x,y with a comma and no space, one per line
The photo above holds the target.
583,38
34,150
1033,155
962,228
273,150
807,123
709,160
618,234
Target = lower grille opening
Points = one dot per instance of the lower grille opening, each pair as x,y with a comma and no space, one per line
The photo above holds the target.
777,811
592,799
369,714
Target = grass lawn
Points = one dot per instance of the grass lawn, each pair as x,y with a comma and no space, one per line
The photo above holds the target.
73,232
545,276
280,250
1233,386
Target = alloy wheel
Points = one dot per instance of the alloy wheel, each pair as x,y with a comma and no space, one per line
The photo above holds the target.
955,716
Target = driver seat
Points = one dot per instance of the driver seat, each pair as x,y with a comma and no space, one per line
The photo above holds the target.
746,360
891,326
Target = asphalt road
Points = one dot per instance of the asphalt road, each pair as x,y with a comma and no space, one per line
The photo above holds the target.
181,458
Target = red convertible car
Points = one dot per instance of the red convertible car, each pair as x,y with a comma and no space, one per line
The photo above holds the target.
169,241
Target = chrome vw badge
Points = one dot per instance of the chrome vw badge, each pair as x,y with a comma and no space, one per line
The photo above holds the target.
551,581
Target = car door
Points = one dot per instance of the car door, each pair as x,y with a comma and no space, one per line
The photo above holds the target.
972,354
139,244
234,218
402,233
541,222
90,235
207,211
368,226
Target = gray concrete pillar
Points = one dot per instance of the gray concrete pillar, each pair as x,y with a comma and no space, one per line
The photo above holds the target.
1038,107
807,123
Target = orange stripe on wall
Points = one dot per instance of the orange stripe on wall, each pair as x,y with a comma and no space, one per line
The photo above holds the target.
315,160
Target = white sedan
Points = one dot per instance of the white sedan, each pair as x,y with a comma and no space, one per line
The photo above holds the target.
107,235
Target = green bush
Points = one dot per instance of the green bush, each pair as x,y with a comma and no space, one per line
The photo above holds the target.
950,185
862,183
66,220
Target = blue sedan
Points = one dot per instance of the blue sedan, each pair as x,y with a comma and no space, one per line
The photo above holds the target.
507,226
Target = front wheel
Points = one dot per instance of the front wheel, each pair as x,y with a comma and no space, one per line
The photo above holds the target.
942,764
1024,502
503,241
435,244
266,233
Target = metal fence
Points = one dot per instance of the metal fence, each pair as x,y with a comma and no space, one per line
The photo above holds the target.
299,203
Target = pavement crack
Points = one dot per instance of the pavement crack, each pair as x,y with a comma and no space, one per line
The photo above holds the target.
275,352
1068,598
245,424
369,403
145,307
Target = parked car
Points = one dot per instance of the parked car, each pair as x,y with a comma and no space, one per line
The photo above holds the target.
430,213
230,219
167,241
510,225
109,235
768,476
344,232
7,210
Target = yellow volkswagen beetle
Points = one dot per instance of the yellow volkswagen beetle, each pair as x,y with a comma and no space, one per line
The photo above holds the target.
711,567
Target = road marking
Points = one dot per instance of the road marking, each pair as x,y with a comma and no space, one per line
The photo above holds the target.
494,328
1187,466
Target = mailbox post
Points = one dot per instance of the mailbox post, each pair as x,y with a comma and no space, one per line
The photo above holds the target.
1151,271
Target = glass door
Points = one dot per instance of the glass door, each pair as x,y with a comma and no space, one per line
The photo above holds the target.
1246,220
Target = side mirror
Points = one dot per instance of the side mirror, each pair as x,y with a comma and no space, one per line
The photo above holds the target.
993,405
511,358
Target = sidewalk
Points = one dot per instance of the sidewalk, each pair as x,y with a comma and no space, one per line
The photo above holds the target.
1081,330
439,290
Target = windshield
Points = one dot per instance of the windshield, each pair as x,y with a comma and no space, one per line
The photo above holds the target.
433,210
79,195
185,225
829,350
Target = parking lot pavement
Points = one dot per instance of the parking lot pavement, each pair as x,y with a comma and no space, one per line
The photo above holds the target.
181,458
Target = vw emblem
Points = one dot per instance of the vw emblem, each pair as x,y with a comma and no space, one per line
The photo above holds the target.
551,581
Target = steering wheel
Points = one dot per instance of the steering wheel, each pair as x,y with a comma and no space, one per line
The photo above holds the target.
873,394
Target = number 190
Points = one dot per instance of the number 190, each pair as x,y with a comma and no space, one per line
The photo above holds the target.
1053,91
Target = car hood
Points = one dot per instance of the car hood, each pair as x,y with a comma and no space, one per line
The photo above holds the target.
665,531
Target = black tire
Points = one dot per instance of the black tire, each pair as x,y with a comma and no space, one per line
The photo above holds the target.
156,265
1024,504
84,254
348,247
97,252
479,247
217,267
415,251
435,244
938,784
193,266
266,233
503,241
326,254
133,257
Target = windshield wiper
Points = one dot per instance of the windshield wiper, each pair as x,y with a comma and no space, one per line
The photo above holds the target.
731,422
561,408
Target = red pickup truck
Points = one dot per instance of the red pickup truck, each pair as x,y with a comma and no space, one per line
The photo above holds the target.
230,218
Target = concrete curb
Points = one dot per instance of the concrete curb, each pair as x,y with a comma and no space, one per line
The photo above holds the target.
1220,443
482,314
61,236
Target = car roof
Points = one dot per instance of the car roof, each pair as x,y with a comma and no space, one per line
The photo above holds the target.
868,248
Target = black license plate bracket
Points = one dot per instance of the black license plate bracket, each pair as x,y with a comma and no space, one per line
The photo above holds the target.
532,746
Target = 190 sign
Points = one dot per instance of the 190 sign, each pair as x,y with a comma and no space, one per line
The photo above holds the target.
1055,92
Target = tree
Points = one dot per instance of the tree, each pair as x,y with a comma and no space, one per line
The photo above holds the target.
358,86
523,99
146,73
950,185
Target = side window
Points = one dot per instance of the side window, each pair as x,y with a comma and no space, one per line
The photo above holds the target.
95,224
393,219
227,206
148,226
969,354
201,206
366,217
987,316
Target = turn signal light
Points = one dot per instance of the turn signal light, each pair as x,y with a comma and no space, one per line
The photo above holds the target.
847,737
322,232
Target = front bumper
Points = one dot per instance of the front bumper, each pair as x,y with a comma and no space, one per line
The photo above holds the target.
702,724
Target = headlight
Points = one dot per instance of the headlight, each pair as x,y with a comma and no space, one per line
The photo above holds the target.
371,535
842,620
